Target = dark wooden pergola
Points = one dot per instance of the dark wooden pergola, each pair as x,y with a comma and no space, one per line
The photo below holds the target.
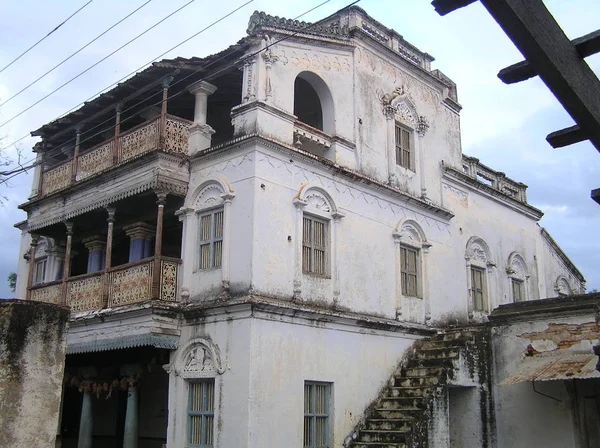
549,54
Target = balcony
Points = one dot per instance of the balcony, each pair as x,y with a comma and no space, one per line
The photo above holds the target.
125,285
140,140
495,179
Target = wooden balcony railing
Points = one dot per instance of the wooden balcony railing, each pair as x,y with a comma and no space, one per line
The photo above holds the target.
127,284
142,139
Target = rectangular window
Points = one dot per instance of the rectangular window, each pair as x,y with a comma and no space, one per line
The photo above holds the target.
404,155
201,413
517,290
211,239
317,405
409,271
478,288
39,275
315,237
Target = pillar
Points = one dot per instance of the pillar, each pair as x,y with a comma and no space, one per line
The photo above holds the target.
225,262
422,128
161,201
390,114
117,134
300,204
67,262
95,245
75,156
86,421
163,110
109,236
335,268
398,275
37,172
188,245
32,248
130,437
140,235
200,132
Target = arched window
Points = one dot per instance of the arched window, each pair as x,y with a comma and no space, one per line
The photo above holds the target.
518,277
479,264
313,103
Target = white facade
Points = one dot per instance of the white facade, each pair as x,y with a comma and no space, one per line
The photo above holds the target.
270,307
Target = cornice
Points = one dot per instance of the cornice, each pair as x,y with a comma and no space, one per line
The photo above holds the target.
464,180
561,254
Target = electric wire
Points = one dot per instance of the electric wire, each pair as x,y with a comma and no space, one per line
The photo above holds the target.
43,38
75,53
204,67
210,76
135,71
96,63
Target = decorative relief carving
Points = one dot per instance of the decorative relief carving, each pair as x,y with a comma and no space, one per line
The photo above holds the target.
476,252
95,161
168,280
409,234
130,285
248,67
209,196
139,141
375,34
176,136
422,126
201,358
85,294
57,178
48,294
316,200
318,61
260,19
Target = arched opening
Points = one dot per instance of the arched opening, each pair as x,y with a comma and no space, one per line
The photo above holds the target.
313,103
307,105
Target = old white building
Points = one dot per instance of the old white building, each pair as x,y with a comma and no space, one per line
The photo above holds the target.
250,244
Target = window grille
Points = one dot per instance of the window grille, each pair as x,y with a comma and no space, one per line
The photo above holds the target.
517,290
40,271
478,288
404,154
201,413
315,236
409,271
211,239
317,405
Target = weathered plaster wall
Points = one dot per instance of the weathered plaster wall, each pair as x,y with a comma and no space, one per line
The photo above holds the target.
524,417
32,356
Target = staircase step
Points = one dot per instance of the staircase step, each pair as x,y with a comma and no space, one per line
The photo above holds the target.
444,363
416,381
465,335
377,445
424,371
387,436
411,392
438,353
397,424
407,414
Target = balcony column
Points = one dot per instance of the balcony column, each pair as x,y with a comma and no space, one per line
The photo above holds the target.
161,201
67,262
86,422
130,437
117,133
95,245
140,235
109,236
200,132
32,248
75,155
163,110
36,189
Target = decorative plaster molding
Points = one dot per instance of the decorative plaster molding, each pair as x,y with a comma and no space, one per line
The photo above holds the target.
199,358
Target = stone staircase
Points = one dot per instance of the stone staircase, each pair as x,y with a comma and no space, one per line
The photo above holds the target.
399,417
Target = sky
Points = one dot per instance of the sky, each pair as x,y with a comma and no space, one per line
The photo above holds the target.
504,126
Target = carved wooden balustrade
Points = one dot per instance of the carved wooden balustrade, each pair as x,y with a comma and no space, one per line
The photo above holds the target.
127,284
142,139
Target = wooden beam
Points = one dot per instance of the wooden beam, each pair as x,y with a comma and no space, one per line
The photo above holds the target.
534,31
585,45
566,137
595,194
443,7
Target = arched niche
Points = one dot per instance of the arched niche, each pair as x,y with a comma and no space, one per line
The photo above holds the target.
313,103
562,286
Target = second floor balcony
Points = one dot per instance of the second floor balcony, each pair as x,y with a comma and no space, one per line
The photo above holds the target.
169,135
